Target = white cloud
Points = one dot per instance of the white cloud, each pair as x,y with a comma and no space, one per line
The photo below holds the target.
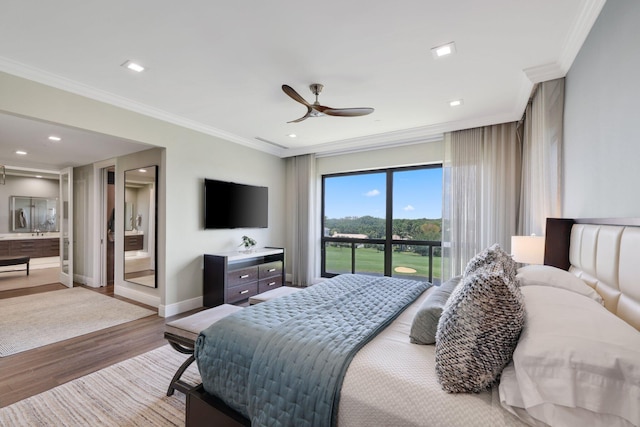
372,193
409,208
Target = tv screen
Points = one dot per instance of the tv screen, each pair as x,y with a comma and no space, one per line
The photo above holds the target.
232,205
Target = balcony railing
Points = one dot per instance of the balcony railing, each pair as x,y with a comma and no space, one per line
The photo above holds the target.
417,259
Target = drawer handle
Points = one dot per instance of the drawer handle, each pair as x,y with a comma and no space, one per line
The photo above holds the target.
244,276
244,292
271,270
271,284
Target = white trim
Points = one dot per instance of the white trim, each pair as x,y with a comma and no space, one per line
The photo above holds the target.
543,73
144,298
571,47
59,82
85,280
584,22
179,307
99,218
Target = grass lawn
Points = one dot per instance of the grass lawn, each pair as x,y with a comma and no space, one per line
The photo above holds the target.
371,261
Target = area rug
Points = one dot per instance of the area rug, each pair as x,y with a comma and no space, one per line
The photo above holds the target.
37,277
32,321
130,393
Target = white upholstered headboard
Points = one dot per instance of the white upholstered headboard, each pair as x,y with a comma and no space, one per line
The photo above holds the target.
607,257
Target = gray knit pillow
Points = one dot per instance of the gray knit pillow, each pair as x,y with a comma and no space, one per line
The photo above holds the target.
425,322
478,331
493,258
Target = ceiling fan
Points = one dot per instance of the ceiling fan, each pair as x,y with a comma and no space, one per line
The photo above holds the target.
317,110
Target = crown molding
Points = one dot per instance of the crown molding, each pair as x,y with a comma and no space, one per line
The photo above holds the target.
579,32
402,137
572,44
40,76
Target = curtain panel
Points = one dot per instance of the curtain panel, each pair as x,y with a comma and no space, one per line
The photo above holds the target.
542,158
301,220
502,180
482,172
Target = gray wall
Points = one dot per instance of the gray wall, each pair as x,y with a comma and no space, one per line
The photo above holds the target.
602,118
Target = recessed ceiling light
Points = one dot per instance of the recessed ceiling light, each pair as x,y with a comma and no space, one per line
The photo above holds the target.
444,50
21,153
38,176
133,66
55,138
456,103
292,135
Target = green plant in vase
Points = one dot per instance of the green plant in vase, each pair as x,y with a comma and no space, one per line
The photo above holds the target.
248,243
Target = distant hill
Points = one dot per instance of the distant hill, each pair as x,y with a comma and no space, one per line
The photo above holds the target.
374,228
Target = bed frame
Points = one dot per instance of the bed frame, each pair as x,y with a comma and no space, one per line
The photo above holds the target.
605,253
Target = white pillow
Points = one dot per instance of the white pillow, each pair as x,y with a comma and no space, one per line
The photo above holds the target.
575,363
546,275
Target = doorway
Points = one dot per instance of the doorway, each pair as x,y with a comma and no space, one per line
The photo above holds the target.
109,212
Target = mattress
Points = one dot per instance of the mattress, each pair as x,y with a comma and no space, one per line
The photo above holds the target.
284,360
391,382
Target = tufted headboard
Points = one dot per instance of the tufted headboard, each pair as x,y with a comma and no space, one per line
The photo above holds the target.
603,253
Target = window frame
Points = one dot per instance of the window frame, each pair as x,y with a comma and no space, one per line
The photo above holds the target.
388,242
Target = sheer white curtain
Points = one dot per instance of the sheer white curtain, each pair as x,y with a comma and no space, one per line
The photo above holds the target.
301,218
541,158
481,192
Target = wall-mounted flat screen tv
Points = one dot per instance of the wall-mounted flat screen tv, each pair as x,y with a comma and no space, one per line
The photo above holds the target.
233,205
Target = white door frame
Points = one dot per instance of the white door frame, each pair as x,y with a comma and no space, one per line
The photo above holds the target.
100,219
66,227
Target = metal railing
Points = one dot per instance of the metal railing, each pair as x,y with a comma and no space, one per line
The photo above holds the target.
354,243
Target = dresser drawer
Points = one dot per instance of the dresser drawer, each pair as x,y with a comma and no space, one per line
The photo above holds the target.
241,292
269,283
5,248
133,243
270,269
23,247
242,276
49,247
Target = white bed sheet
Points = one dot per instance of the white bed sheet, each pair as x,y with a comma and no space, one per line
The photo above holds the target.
391,382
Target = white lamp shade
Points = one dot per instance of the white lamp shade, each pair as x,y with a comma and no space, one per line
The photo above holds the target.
528,249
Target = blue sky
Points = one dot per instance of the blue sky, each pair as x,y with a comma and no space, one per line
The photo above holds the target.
417,194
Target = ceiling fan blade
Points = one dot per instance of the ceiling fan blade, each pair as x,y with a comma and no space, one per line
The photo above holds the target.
345,112
294,95
306,116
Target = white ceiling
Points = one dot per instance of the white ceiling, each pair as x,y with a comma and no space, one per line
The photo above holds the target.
218,67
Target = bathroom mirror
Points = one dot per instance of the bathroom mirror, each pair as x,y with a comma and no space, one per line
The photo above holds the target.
33,214
140,216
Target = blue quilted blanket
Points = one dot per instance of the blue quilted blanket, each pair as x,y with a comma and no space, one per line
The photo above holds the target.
282,362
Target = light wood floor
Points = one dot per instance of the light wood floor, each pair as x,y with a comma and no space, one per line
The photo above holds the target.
31,372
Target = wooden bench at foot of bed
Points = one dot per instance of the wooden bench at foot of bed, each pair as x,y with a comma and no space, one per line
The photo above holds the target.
182,334
14,260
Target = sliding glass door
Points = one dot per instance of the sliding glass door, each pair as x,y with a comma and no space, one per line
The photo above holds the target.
383,222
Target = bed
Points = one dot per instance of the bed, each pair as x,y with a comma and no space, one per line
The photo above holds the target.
575,359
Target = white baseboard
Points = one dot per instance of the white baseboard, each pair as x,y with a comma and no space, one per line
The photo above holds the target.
179,307
144,298
85,280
